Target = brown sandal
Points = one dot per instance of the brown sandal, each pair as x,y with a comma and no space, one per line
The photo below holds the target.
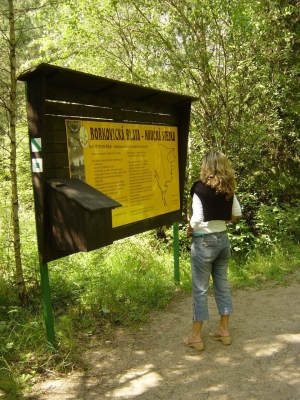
196,345
226,340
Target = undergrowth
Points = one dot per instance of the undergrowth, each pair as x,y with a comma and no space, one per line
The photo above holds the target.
94,292
275,265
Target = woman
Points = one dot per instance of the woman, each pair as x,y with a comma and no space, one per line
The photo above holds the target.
214,204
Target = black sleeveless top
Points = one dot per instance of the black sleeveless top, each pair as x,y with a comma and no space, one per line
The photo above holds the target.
215,206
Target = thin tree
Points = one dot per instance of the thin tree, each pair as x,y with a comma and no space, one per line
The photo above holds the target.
9,102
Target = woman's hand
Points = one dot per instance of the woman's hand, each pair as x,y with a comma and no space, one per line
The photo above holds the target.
233,218
190,232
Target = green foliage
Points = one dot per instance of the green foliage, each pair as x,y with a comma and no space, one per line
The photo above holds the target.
23,350
279,223
119,283
265,225
18,333
274,264
91,293
241,238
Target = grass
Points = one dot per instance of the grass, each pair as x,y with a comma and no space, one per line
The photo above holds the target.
274,265
93,292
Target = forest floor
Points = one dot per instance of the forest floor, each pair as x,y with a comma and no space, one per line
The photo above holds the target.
263,361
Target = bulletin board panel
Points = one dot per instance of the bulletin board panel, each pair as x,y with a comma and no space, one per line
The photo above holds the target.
134,164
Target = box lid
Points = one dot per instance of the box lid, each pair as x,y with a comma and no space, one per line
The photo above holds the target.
83,194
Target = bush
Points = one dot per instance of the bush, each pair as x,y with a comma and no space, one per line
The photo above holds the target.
278,222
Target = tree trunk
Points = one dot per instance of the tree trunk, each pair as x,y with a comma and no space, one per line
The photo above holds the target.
23,295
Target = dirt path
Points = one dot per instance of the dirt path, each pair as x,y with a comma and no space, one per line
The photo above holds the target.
262,363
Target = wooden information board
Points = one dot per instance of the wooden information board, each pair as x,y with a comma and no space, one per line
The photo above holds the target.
125,140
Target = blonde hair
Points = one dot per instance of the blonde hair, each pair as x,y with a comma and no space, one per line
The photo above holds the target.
217,172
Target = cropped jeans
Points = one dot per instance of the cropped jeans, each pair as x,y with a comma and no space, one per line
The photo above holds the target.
210,255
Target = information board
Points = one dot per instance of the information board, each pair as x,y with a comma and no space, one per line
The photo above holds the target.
134,164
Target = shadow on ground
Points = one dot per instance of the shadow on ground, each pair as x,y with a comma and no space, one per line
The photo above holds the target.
262,363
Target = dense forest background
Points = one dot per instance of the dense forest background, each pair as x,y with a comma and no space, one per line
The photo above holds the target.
239,57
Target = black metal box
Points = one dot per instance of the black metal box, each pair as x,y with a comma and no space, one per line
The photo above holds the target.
80,216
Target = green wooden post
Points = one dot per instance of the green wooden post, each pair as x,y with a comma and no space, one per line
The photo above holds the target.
46,293
176,253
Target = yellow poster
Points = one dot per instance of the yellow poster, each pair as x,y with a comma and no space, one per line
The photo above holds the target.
136,165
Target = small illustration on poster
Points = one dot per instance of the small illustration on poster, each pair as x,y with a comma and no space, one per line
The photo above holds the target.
75,150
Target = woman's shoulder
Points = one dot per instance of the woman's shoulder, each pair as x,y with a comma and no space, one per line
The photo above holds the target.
198,185
200,188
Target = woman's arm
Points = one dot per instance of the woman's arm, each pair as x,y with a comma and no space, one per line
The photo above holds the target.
236,210
197,215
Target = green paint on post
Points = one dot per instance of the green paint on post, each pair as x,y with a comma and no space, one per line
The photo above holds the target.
176,253
46,293
36,144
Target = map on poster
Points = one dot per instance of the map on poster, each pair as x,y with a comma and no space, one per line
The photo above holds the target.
134,164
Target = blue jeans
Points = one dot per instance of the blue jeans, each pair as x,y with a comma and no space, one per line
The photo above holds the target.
210,255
